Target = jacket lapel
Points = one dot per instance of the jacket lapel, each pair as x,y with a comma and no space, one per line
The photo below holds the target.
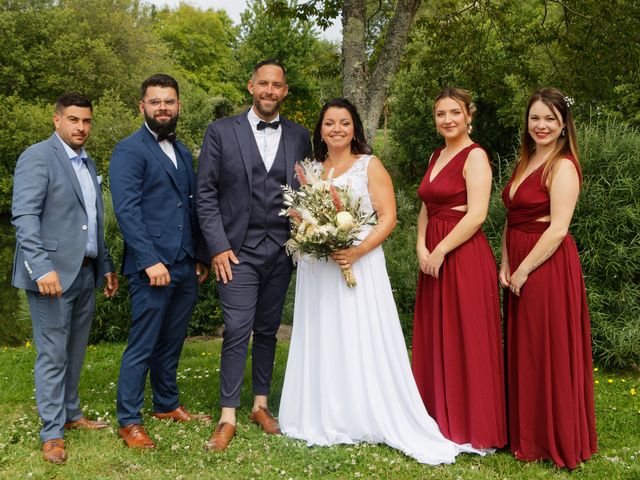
61,156
245,139
159,155
288,140
91,166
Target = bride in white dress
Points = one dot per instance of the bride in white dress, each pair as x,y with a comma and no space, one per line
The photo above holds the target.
348,377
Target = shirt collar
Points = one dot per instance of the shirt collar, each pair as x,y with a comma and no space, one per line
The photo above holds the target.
155,135
71,153
254,118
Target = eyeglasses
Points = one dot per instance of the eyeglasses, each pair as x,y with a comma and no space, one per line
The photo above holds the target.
156,102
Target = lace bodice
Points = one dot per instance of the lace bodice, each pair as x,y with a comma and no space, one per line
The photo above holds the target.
357,180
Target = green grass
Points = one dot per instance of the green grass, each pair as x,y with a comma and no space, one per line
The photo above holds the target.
180,453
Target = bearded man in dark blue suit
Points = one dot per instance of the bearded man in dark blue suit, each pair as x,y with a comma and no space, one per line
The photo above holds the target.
153,187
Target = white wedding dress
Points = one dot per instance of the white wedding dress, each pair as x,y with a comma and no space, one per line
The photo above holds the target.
348,377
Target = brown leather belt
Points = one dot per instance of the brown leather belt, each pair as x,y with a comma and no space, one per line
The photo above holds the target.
86,261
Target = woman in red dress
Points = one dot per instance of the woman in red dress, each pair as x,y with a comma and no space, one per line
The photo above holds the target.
457,344
548,335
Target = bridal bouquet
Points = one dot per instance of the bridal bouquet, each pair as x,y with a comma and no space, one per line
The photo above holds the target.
324,218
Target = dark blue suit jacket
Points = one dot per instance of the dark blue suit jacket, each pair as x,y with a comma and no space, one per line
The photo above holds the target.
148,202
223,196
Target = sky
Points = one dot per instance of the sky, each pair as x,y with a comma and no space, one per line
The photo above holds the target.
235,7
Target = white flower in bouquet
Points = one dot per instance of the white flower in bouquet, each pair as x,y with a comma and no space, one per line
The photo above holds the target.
344,220
324,218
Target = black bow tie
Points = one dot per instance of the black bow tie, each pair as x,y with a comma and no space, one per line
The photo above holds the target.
171,137
262,125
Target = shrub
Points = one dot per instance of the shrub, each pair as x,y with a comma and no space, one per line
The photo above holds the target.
607,230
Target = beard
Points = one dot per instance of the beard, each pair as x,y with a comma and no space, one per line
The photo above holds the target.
267,111
162,128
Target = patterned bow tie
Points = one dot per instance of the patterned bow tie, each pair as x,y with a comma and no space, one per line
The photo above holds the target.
262,125
171,137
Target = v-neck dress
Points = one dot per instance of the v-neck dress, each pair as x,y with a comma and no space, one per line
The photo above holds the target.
548,340
457,341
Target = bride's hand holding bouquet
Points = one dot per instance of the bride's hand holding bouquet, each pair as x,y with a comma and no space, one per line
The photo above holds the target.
325,220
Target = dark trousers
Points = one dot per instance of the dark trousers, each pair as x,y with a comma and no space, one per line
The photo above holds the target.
159,320
60,332
252,302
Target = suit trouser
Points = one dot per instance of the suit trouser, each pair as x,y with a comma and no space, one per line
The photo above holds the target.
61,329
252,302
159,320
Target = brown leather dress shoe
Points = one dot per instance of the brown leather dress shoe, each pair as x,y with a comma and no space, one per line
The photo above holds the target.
264,418
135,436
221,437
181,414
53,451
85,424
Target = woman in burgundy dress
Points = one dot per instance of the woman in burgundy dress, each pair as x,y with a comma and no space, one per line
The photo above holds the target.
548,335
457,344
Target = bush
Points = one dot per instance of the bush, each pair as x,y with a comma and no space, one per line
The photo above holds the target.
606,228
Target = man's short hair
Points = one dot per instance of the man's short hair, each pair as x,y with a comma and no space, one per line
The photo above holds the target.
270,61
72,99
159,80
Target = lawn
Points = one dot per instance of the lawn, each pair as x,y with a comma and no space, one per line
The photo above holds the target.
180,453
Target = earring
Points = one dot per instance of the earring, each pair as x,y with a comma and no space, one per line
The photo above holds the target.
469,129
322,139
563,132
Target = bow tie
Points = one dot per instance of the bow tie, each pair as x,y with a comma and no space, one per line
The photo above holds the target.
262,125
171,137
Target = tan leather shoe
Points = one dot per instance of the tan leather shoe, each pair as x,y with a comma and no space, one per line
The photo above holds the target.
181,414
135,436
221,437
264,418
53,451
85,424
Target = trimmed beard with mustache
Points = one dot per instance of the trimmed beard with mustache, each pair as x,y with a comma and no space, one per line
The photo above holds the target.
266,113
162,128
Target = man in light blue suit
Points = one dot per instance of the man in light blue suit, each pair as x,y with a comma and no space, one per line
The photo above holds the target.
153,187
60,259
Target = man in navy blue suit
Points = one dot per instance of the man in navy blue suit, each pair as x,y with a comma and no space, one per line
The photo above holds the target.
153,187
244,161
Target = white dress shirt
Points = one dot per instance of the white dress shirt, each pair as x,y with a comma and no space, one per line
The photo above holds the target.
166,146
88,195
268,139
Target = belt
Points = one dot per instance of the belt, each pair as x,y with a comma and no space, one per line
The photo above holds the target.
86,261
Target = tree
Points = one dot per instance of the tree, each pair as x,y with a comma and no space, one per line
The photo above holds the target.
366,78
202,43
312,64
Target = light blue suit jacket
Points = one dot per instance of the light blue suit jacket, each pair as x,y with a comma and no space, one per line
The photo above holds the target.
50,217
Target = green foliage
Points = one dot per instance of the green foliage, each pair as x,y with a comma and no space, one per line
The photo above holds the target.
607,230
502,51
202,43
86,45
23,124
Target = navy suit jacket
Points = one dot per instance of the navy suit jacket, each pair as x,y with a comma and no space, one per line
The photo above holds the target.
148,202
50,217
223,195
